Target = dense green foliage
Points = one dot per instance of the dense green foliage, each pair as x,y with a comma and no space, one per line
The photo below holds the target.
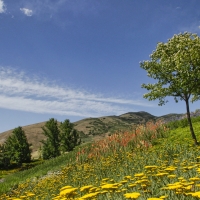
176,67
60,138
50,147
16,149
69,137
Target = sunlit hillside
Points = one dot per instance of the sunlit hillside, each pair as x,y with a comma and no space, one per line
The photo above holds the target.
148,163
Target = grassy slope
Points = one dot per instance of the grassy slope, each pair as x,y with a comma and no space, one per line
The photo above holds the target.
178,136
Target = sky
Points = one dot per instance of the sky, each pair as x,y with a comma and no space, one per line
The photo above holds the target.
74,59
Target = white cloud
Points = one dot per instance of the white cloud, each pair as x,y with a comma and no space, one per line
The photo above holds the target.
27,11
2,6
19,92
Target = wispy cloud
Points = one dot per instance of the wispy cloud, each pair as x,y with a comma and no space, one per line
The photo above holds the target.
20,92
2,7
27,11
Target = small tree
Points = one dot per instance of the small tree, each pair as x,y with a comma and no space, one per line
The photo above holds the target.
50,147
17,148
176,67
69,137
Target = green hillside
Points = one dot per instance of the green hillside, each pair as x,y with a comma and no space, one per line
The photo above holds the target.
119,167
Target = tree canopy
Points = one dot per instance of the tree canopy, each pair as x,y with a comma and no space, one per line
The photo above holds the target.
176,67
51,145
60,138
17,148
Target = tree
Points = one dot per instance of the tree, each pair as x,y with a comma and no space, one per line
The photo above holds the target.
176,67
69,137
4,158
59,138
17,148
51,145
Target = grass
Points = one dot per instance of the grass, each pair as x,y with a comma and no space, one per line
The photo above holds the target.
122,166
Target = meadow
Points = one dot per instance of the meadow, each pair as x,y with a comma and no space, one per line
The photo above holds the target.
151,162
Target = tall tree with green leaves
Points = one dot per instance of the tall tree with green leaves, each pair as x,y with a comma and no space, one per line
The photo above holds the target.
176,67
50,147
69,137
17,148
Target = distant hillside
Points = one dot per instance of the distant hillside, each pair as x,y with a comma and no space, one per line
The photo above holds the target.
91,129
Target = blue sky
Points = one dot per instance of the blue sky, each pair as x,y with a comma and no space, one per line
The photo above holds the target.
72,59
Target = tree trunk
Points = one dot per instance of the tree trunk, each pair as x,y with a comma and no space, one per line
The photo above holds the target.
190,123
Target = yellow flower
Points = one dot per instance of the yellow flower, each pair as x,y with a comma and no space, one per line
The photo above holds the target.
171,176
161,174
68,192
110,186
23,197
65,187
89,196
194,179
29,194
139,175
127,177
163,197
133,195
132,185
152,167
85,188
174,187
196,194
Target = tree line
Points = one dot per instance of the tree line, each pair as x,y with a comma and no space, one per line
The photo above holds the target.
60,138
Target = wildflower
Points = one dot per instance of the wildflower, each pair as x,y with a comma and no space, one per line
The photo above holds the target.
133,195
163,197
68,192
89,196
66,187
194,179
139,175
171,176
151,167
154,198
85,188
161,174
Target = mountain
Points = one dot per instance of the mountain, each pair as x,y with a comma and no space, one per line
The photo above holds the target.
91,129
